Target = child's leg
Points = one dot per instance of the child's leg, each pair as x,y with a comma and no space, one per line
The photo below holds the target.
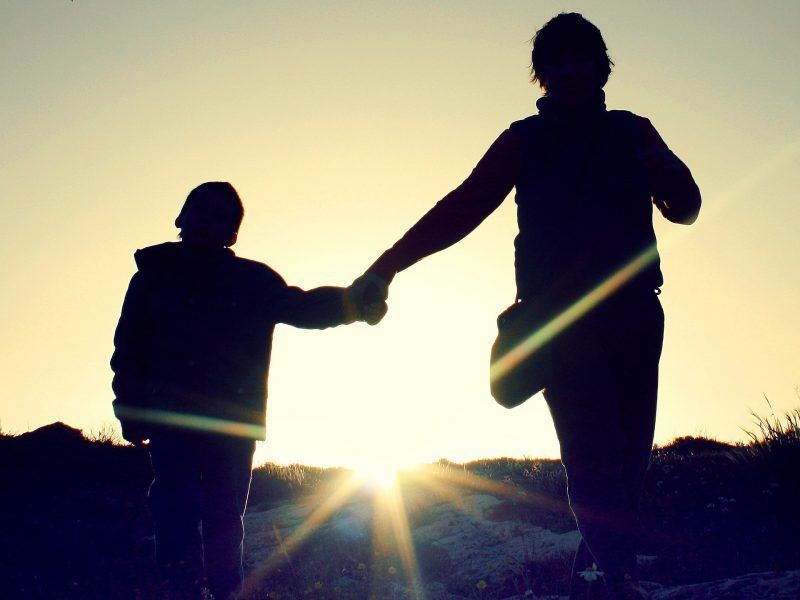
227,472
174,501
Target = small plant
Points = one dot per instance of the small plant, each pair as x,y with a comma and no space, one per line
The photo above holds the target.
591,574
105,434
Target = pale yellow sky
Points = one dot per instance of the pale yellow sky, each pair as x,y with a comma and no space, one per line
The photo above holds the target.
341,124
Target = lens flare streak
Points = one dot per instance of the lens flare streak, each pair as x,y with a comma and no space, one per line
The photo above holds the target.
447,482
392,501
191,421
319,516
571,314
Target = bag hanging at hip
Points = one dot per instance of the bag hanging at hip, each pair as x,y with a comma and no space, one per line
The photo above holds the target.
521,361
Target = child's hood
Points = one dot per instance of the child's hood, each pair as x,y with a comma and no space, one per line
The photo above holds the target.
157,256
168,255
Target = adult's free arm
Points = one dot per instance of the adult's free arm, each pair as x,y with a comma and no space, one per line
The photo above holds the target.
672,186
459,212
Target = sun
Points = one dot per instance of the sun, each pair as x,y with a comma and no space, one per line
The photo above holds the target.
377,476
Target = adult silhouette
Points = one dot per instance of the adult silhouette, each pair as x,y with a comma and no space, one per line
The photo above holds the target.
586,180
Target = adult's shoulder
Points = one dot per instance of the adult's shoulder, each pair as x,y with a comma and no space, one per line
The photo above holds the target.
627,125
258,273
626,118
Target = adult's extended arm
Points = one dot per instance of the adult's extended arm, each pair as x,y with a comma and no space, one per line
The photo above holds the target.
459,212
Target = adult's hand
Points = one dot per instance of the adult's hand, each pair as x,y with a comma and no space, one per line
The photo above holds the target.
674,191
661,166
369,293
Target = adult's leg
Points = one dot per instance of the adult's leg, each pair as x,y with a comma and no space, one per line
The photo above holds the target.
636,377
174,502
603,405
635,343
585,407
226,478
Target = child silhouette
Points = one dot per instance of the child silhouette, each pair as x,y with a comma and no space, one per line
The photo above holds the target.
191,359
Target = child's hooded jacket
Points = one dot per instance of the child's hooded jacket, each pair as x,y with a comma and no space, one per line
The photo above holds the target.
193,343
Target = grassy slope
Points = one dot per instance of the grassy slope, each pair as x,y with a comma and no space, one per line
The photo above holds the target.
75,524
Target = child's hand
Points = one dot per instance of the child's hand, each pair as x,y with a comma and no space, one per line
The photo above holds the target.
373,313
369,293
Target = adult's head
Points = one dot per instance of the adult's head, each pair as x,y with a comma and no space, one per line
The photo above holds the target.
211,215
569,59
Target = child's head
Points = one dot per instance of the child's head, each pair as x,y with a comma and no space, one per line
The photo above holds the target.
211,215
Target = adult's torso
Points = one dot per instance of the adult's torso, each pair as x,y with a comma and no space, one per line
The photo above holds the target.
584,208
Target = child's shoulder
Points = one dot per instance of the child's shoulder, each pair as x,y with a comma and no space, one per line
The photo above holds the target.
157,256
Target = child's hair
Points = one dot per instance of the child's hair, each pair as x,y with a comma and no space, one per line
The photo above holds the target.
221,189
568,34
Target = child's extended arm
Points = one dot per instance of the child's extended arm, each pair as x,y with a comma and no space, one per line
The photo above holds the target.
318,308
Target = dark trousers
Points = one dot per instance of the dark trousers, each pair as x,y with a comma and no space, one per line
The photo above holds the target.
603,403
197,501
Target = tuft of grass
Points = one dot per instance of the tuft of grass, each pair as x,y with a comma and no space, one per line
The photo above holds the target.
774,435
272,484
105,434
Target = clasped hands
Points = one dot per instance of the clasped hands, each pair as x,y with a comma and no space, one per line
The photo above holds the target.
368,294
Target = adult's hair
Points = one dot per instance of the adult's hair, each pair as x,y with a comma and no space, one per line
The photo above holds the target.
220,189
568,35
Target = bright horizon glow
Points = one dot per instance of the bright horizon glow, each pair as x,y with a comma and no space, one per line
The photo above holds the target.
377,476
340,126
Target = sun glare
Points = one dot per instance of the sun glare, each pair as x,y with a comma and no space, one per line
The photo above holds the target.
391,528
376,476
